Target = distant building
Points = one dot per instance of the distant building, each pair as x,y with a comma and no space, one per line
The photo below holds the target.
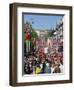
41,42
60,35
41,36
57,38
41,33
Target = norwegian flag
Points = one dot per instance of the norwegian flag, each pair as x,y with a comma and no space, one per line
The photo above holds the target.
28,37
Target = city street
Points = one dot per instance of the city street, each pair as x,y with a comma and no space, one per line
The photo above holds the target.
43,49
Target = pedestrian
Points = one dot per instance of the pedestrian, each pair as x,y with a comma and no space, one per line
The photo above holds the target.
38,69
57,69
47,68
44,65
61,67
52,67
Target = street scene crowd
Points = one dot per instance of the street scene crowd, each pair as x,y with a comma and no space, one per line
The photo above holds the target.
43,50
51,63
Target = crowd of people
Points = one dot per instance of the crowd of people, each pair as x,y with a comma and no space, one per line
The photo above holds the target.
51,63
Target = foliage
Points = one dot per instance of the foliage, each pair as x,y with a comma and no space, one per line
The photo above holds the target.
33,34
51,33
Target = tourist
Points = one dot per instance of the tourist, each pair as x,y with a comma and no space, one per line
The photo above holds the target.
57,69
38,69
47,68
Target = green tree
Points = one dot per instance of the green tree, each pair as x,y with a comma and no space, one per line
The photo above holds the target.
33,34
51,33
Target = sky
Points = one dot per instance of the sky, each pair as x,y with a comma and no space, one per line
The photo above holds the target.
42,21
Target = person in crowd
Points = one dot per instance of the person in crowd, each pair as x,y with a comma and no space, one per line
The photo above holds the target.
52,67
57,69
51,63
61,66
43,67
47,68
38,69
28,69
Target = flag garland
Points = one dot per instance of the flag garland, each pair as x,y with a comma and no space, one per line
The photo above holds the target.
27,37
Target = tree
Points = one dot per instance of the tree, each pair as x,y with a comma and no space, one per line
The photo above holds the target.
33,34
51,33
